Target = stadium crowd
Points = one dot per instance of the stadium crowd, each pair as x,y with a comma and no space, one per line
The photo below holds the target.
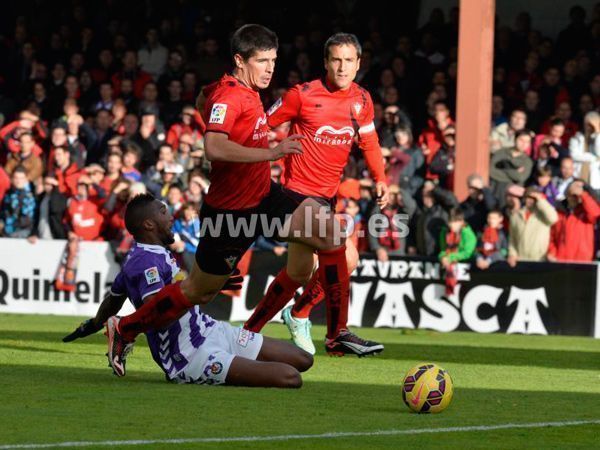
94,109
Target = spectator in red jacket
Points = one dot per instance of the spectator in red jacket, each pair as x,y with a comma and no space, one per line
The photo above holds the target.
66,172
82,216
4,183
27,123
114,164
130,70
432,137
191,123
572,237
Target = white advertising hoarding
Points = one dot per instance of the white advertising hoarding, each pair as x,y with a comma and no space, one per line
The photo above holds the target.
27,273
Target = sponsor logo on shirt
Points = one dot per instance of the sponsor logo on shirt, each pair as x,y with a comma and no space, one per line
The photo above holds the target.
258,133
218,112
332,136
274,107
152,275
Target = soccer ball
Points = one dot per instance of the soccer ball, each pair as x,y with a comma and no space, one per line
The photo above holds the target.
427,388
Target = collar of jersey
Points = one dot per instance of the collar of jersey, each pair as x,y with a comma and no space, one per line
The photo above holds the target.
239,82
337,92
152,247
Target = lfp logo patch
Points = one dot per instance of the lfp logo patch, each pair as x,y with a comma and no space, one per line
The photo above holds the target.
152,275
218,112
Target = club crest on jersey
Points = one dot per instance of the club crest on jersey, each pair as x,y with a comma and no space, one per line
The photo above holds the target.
357,108
275,106
216,368
332,136
152,275
217,113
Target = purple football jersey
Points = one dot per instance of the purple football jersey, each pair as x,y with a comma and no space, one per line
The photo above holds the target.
147,269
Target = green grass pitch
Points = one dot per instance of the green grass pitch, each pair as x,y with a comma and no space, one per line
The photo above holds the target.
52,392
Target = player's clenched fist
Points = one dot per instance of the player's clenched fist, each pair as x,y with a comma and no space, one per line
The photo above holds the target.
290,145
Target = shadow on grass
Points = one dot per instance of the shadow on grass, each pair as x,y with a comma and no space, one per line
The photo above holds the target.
47,336
30,348
560,359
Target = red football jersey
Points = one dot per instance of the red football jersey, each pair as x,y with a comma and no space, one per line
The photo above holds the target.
236,110
330,120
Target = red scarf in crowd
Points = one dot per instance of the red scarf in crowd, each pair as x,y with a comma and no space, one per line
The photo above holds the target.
452,242
489,240
390,239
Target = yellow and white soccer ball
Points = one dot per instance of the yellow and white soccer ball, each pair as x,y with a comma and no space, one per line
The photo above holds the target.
427,388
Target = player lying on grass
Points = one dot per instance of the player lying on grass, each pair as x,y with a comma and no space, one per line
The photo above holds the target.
330,112
195,348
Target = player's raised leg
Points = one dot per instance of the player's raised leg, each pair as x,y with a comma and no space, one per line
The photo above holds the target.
296,317
282,289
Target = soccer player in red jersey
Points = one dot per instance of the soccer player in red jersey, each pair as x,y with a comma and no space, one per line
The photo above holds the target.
330,112
241,188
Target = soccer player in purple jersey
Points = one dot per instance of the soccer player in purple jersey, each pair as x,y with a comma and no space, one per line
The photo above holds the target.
195,348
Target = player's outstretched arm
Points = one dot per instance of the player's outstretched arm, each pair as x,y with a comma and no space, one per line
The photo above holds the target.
109,307
219,147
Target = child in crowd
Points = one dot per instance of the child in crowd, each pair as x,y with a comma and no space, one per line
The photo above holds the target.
457,243
545,186
131,158
493,242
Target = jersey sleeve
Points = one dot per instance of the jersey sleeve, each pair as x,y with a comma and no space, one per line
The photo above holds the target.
367,118
368,142
118,288
286,108
221,111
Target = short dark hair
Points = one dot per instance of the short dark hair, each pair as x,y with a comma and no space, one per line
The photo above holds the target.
138,210
456,215
251,38
20,169
544,171
522,132
342,39
26,133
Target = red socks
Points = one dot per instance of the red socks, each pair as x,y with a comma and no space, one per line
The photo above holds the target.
334,277
313,295
279,293
166,305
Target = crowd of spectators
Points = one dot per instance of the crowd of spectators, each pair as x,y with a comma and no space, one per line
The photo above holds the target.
92,113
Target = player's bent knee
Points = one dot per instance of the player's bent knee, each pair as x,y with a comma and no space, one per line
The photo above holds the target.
305,361
290,378
299,276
